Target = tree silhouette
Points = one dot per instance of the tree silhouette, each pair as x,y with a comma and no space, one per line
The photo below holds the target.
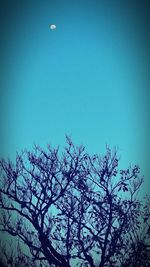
72,209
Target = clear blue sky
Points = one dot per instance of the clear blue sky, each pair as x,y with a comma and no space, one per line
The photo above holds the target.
88,78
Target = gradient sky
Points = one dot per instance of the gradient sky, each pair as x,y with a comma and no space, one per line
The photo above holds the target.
89,78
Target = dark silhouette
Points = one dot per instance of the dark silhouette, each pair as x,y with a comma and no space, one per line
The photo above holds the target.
70,208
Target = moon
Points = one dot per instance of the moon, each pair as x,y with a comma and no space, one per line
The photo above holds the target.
52,26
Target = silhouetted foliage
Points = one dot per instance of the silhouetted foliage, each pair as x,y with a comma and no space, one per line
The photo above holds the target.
71,208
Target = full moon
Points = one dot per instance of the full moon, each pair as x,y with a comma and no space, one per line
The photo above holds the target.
52,26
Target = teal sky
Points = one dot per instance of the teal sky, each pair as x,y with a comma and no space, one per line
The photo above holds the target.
89,78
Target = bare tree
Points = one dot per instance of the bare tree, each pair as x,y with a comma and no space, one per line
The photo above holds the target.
71,208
